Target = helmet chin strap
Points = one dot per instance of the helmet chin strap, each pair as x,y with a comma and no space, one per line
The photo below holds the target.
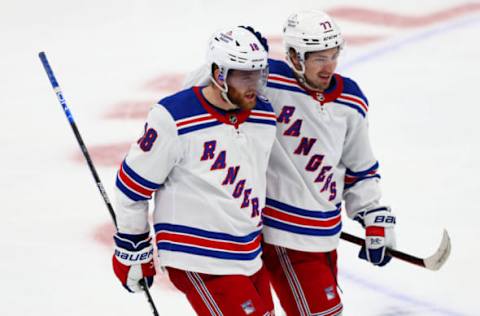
224,91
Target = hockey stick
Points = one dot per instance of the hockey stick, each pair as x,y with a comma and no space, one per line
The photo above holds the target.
84,150
434,262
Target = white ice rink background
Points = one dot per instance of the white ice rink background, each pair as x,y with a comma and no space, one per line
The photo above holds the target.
417,62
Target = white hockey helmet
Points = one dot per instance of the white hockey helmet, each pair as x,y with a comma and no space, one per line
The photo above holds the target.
238,48
310,31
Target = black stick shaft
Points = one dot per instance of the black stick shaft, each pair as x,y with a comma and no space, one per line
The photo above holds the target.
83,148
391,252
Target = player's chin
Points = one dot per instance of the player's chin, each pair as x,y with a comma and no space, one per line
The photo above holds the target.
320,84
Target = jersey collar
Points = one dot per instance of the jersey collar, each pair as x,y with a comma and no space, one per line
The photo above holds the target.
231,118
330,94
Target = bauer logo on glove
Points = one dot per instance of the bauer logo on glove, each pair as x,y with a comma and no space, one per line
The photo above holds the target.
132,257
133,260
384,219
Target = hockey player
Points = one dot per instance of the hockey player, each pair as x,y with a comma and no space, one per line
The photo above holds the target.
203,157
324,157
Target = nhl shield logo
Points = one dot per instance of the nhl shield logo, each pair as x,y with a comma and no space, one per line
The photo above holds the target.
248,307
320,96
233,118
329,293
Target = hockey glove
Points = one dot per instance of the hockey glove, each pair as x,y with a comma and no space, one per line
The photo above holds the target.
379,232
133,260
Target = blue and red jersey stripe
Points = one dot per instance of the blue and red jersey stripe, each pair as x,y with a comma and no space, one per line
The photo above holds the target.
133,185
262,117
285,83
352,178
301,221
195,241
196,122
354,102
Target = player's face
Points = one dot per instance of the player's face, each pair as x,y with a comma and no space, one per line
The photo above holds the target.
242,87
320,66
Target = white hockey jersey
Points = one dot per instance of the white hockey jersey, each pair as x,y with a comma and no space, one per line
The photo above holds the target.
322,156
207,171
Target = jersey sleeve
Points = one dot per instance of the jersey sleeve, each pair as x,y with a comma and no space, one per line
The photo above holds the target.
144,170
362,188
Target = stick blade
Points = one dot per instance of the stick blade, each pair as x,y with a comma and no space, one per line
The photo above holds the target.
438,259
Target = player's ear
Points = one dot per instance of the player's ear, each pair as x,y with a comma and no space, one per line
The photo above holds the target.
292,54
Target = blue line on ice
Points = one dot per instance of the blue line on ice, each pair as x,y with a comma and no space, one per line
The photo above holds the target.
426,306
439,30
